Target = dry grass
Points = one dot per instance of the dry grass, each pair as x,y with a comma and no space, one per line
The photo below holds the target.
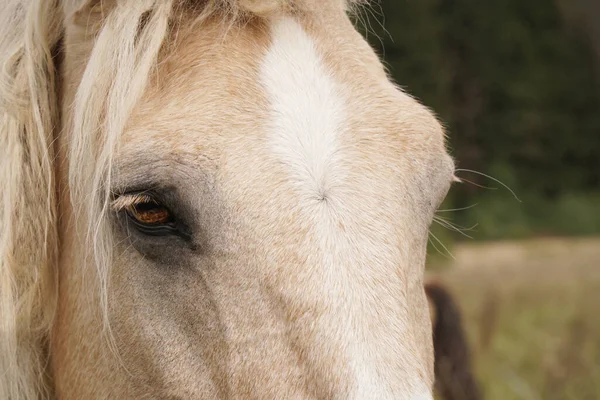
532,311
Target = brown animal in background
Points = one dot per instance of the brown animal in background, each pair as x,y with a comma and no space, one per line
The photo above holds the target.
454,378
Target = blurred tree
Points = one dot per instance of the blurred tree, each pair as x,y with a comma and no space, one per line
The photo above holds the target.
517,88
584,16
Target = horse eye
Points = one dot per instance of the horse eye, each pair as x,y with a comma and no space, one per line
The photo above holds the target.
149,213
149,216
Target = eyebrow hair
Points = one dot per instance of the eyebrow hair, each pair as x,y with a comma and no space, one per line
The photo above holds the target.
141,172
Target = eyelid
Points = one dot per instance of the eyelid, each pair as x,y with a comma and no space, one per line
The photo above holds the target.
129,200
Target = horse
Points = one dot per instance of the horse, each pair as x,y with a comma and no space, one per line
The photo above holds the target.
210,199
454,375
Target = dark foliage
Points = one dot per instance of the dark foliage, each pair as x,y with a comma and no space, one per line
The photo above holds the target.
518,86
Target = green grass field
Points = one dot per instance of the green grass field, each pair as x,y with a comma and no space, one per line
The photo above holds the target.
532,312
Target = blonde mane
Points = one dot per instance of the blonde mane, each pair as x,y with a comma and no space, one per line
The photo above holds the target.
128,42
28,238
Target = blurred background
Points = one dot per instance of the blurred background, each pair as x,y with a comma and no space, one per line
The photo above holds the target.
517,85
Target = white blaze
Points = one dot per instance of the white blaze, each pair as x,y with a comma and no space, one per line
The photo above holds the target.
308,111
307,108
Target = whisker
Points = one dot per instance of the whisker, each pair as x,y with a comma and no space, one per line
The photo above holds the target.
436,248
493,179
455,224
442,244
471,228
448,225
458,209
478,185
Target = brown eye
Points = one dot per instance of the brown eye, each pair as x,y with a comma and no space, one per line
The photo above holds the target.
149,213
144,214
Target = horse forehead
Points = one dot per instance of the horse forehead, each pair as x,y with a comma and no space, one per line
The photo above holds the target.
333,79
242,77
293,90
